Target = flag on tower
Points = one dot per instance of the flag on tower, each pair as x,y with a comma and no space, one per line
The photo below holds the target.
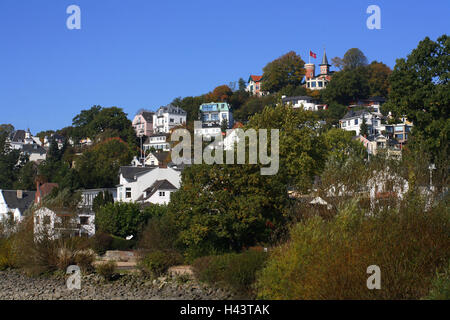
312,54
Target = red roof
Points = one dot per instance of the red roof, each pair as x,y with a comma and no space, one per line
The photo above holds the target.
238,125
43,190
256,78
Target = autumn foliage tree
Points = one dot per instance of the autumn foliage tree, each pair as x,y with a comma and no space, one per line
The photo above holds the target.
220,94
378,77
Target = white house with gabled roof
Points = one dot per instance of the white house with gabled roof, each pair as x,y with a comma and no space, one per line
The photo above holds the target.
148,184
14,203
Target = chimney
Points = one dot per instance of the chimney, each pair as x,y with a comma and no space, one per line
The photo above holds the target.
19,194
37,196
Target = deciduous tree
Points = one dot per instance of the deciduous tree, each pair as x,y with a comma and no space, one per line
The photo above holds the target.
354,58
378,77
286,70
420,90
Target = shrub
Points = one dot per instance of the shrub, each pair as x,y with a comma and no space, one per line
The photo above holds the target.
107,270
440,286
241,273
329,259
122,244
42,254
101,242
158,234
156,263
7,254
231,271
84,260
211,269
121,219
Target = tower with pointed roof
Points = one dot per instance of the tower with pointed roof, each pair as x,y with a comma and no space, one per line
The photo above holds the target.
324,66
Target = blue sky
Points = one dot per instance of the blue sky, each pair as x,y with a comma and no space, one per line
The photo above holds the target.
142,54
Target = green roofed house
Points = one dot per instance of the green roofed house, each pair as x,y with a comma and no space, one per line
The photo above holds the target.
214,116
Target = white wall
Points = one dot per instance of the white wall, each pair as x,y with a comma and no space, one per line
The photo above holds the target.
3,207
163,124
157,199
40,227
351,125
306,105
5,211
37,156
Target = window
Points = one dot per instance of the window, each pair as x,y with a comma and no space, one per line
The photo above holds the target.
65,221
309,86
46,220
128,193
320,84
356,122
313,84
171,120
84,221
162,194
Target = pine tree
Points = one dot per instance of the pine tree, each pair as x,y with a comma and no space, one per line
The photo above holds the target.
364,128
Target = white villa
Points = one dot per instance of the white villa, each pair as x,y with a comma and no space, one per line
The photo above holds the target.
35,152
167,118
158,141
305,102
353,119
